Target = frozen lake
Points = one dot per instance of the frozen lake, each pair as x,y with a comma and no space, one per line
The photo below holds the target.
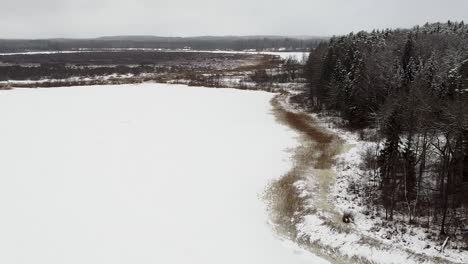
140,174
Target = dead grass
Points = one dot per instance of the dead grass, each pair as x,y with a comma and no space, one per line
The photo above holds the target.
284,202
288,206
263,62
316,151
325,145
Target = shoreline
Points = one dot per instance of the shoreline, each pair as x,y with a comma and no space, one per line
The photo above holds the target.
301,203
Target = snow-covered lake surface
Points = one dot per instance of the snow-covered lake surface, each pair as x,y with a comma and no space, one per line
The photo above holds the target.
140,174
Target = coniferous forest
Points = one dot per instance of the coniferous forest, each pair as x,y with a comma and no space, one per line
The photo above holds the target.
408,90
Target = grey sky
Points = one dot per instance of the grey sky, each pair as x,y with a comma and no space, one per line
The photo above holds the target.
91,18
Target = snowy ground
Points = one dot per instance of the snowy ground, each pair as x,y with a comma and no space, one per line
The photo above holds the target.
140,174
349,171
410,246
300,56
327,196
71,79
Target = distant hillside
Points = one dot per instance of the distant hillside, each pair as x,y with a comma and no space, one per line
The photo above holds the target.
156,42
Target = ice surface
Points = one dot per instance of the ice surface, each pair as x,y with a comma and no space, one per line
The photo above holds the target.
140,174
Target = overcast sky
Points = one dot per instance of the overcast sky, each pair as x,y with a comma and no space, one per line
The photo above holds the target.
92,18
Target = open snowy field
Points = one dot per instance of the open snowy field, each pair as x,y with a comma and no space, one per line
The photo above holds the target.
140,174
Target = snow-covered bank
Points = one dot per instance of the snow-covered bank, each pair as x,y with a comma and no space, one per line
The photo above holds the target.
350,173
313,198
146,173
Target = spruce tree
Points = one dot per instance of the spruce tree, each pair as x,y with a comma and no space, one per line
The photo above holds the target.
388,161
408,52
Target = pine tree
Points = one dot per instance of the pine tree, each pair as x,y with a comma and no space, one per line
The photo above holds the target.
408,52
360,100
388,162
454,83
339,87
430,73
409,73
409,158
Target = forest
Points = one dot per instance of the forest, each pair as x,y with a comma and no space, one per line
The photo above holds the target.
405,89
154,42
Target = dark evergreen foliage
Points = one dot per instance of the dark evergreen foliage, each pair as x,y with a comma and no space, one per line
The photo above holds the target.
412,86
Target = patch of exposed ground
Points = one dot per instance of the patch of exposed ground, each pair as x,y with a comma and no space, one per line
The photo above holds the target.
304,193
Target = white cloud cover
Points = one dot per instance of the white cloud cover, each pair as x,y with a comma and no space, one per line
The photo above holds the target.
91,18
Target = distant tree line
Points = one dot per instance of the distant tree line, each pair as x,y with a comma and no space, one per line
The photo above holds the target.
412,87
149,42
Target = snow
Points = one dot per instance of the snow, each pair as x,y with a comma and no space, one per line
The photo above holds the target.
81,50
391,250
300,56
148,173
71,79
43,52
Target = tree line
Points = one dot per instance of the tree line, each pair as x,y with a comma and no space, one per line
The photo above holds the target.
153,42
411,87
